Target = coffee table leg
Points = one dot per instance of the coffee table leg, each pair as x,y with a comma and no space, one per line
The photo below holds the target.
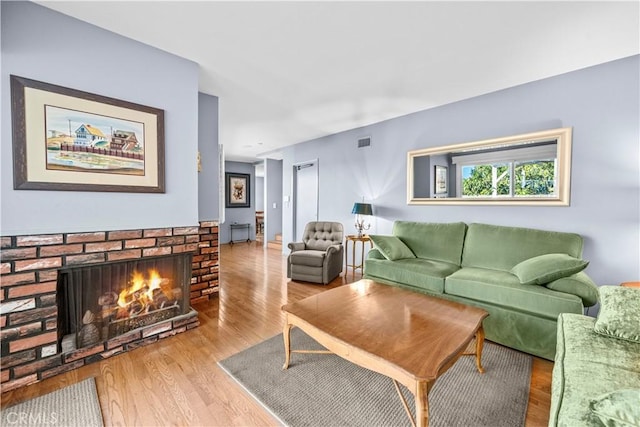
422,403
286,334
479,346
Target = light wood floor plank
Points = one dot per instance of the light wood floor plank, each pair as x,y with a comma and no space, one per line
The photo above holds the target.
177,381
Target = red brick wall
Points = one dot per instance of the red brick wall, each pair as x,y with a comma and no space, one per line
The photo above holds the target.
28,278
205,267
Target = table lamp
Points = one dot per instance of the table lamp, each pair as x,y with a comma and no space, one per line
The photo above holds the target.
360,209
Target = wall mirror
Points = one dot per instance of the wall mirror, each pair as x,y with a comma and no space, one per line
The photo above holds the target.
527,169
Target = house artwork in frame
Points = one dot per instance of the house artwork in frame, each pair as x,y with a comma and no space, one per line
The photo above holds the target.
66,139
85,142
237,190
440,180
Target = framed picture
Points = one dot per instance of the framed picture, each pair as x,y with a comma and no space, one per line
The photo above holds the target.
440,180
237,190
66,139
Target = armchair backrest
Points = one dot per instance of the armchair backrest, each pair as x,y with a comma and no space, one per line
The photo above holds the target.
319,235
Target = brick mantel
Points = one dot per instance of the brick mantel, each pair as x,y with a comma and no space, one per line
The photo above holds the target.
29,267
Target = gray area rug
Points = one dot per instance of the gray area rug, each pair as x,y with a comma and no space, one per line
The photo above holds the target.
75,405
326,390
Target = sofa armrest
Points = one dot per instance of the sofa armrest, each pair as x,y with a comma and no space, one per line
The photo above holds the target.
578,284
296,246
375,254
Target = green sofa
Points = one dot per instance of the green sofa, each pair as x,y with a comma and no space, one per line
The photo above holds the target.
486,265
596,375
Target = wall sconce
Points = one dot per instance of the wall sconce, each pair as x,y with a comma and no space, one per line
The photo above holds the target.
360,209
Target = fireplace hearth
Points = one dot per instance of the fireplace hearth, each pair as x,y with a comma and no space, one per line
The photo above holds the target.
99,302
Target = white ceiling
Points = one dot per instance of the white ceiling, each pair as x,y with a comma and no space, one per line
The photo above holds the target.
287,72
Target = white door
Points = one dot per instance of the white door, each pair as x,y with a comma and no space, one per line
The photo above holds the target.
306,196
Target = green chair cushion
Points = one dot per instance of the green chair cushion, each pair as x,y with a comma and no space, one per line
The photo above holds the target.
391,247
588,364
620,408
619,314
546,268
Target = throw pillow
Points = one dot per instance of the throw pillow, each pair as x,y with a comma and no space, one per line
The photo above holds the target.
619,314
577,284
391,247
546,268
620,408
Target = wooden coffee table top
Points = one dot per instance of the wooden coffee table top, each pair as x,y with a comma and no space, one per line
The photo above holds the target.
415,332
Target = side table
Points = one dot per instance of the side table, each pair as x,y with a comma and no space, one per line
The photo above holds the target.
240,227
353,239
630,284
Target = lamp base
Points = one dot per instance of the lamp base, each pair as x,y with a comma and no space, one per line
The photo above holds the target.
360,227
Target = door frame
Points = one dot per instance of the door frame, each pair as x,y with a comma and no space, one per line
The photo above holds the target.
296,167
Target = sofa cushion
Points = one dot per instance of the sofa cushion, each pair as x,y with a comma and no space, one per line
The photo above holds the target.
577,284
309,258
415,272
546,268
435,241
620,408
587,365
619,315
391,247
501,248
504,289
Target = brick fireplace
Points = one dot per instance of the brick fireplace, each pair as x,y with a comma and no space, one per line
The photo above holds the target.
30,267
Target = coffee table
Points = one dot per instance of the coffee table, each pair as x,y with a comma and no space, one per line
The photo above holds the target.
407,336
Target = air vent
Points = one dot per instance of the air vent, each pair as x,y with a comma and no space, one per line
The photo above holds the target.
364,142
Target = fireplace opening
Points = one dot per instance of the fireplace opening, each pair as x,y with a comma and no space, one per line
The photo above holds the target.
101,301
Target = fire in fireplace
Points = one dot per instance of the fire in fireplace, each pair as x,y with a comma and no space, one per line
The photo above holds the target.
101,301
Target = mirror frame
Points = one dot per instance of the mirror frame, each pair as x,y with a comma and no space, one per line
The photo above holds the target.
563,139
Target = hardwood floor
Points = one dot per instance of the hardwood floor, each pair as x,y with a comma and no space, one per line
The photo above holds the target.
177,381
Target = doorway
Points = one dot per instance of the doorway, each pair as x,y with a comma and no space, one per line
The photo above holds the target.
305,202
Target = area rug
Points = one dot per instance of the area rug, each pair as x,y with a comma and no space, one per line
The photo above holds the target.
326,390
75,405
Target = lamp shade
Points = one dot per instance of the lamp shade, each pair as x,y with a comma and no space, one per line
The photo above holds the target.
362,209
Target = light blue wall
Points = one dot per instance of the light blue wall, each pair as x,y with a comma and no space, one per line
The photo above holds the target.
273,215
259,192
208,203
601,104
240,215
41,44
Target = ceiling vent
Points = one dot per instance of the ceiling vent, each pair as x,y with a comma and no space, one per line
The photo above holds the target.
364,142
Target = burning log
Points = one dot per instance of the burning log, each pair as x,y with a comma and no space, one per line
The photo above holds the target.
89,334
135,308
108,299
146,300
159,299
122,326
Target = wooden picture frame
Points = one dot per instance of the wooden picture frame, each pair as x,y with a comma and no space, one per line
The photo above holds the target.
440,181
69,140
237,190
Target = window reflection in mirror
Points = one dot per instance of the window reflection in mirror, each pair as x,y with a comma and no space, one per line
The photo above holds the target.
523,169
